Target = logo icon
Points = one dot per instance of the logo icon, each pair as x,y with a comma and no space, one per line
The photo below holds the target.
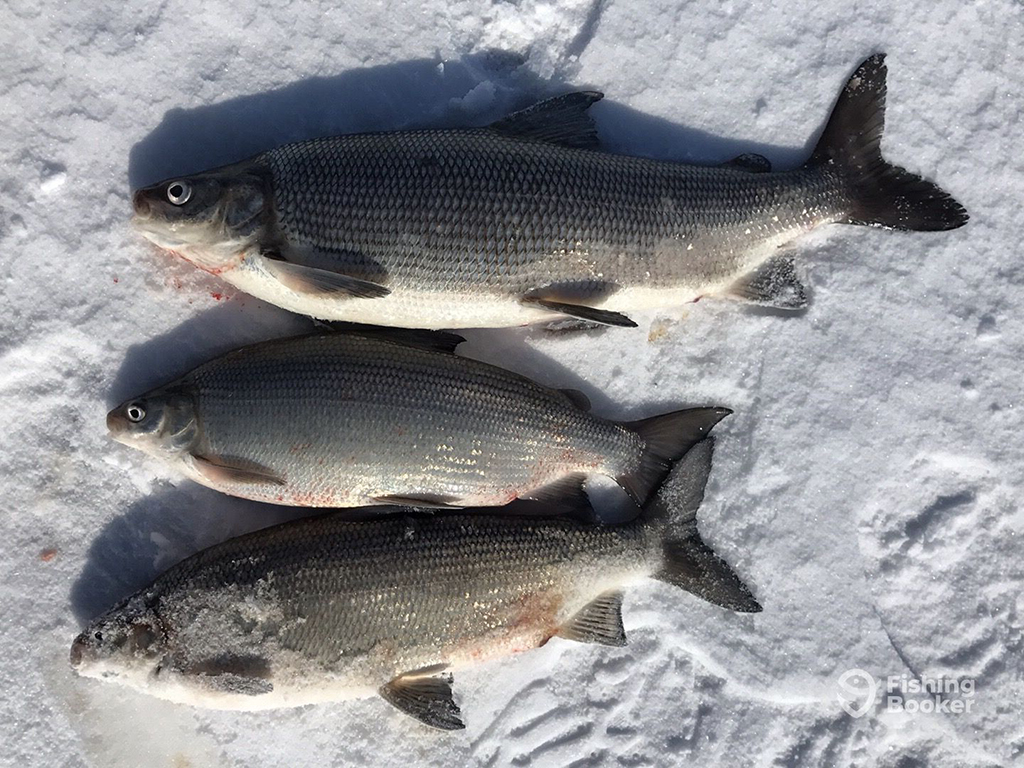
857,690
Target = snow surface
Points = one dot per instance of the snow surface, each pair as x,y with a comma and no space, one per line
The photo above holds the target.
867,487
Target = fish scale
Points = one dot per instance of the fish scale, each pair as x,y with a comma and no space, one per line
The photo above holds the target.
354,418
512,215
527,220
336,595
322,608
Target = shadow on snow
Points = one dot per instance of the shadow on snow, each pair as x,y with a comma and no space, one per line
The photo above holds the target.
418,93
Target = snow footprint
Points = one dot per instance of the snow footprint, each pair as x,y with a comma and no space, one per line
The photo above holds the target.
937,538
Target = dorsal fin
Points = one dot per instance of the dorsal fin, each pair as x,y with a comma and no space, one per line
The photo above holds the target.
750,162
562,120
577,398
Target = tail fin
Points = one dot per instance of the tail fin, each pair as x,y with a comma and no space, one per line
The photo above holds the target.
882,195
689,563
667,438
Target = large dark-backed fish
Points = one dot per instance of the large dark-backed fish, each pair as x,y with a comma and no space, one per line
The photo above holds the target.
382,416
525,220
323,609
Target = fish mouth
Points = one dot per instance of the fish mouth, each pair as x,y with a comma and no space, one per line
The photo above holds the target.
166,235
78,648
140,204
117,424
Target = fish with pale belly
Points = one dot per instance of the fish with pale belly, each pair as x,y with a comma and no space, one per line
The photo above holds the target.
387,416
323,609
525,220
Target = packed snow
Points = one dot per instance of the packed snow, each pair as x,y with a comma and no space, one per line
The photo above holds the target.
867,486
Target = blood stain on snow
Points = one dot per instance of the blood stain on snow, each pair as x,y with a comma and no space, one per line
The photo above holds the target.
48,554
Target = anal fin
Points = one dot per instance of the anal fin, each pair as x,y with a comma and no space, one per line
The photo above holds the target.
428,699
322,282
567,496
220,469
599,621
773,284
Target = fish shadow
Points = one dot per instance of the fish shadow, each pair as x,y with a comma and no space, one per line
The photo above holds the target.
158,531
417,93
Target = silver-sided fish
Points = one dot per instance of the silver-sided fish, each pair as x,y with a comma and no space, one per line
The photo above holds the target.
384,416
323,609
525,221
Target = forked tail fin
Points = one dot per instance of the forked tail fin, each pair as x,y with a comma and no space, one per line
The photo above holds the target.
666,439
881,194
688,562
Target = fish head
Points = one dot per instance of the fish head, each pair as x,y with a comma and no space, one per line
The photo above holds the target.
128,643
209,218
160,422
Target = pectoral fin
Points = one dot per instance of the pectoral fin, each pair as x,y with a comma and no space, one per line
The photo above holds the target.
570,325
602,316
428,699
246,675
599,621
322,282
774,284
220,469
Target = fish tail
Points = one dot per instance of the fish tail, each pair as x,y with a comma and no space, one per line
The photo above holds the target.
666,439
688,562
882,194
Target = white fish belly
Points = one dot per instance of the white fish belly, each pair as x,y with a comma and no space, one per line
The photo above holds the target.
286,693
409,308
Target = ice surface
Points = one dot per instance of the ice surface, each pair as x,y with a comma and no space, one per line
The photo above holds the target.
868,486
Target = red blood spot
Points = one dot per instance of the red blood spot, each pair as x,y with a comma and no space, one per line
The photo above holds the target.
47,555
115,279
217,296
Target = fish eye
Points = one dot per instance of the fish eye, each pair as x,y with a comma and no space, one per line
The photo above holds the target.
99,636
179,192
135,412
